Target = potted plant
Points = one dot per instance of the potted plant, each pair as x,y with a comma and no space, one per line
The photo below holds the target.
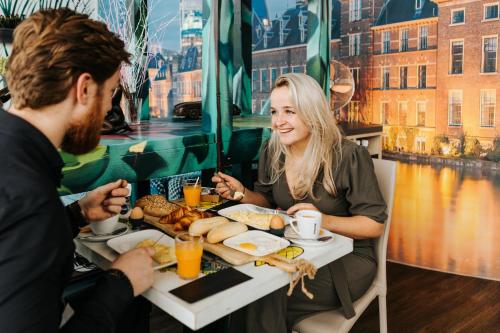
12,13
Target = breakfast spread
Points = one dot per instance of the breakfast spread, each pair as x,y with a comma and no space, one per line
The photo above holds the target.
248,246
162,252
156,205
169,213
202,226
253,219
224,231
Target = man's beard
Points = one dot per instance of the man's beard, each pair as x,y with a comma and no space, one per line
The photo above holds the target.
84,136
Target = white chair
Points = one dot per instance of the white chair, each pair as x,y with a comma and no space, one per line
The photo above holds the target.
334,320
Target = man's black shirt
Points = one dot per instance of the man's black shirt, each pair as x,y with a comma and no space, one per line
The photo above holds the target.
36,241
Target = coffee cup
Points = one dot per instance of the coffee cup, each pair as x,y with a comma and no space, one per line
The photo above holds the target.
106,226
308,224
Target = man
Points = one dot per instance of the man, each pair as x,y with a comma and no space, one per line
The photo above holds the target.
61,74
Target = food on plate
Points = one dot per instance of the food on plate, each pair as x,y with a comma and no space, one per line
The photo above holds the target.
173,217
162,252
156,205
178,227
224,231
215,198
152,199
258,220
202,226
277,222
248,246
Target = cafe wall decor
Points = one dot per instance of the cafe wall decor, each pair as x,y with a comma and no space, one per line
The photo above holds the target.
420,70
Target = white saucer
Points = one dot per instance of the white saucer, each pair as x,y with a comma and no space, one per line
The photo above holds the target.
293,237
97,238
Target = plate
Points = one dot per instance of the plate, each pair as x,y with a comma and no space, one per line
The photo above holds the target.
252,215
264,242
129,242
97,238
291,235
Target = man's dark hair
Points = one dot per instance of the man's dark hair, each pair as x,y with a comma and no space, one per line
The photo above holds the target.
52,48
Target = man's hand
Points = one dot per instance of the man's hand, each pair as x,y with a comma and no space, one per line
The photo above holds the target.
104,201
137,265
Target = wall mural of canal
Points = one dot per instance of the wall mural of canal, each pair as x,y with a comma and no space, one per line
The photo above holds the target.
438,106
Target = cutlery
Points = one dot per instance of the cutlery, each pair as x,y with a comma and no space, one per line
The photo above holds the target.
321,239
116,232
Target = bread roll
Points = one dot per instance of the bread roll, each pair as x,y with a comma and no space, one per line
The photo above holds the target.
225,231
202,226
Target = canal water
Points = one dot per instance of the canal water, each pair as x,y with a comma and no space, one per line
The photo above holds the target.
447,219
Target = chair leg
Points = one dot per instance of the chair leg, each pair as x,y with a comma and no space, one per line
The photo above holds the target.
382,313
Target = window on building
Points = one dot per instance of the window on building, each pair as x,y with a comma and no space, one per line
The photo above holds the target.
285,70
423,37
386,41
490,54
353,112
403,77
402,113
422,76
458,16
274,76
254,106
491,11
354,44
297,69
264,80
262,105
385,78
457,57
421,111
455,108
488,106
354,10
355,76
403,42
418,4
255,80
384,113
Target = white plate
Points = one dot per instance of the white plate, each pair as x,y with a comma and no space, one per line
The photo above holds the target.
293,237
265,242
96,238
128,242
249,208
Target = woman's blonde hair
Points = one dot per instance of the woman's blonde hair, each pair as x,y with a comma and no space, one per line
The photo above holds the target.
323,151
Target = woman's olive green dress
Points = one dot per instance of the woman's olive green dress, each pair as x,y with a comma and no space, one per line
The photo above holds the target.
357,194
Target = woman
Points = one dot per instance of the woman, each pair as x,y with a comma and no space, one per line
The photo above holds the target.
307,165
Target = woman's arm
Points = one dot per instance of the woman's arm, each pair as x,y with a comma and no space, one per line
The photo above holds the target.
356,227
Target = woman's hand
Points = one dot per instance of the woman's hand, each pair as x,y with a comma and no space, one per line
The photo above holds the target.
224,184
105,201
300,206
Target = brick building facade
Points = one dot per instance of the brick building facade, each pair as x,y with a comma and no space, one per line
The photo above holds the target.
468,75
403,80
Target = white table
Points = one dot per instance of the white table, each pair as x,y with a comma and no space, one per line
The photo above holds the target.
265,280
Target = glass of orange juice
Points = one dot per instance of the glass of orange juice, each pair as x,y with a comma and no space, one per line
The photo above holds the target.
188,250
192,191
